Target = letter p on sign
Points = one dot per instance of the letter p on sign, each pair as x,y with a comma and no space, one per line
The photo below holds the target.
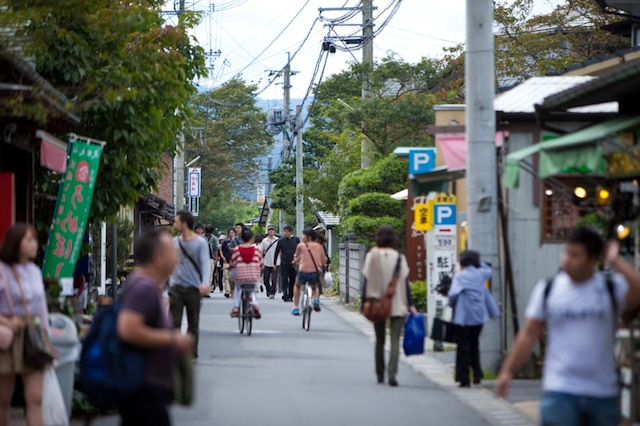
421,160
445,214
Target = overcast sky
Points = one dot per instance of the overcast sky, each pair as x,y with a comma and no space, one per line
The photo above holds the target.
242,29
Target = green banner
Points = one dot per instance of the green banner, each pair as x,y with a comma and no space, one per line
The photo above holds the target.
72,210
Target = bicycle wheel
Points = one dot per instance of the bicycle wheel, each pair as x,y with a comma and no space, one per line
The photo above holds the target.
249,319
306,318
304,300
242,314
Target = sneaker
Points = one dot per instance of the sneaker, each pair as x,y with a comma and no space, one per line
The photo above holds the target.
295,312
261,289
316,306
272,296
226,295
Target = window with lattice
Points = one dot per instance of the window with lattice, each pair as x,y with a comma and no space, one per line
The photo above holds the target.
560,214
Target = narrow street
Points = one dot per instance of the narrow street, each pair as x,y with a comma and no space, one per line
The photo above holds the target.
284,375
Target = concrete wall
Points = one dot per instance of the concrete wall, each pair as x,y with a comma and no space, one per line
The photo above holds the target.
532,260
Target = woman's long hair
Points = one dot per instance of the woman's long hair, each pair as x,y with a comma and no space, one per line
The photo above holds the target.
10,249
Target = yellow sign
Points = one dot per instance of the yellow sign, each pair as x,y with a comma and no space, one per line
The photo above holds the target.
443,198
423,217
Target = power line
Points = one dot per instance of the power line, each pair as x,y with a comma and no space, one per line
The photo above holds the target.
275,39
292,56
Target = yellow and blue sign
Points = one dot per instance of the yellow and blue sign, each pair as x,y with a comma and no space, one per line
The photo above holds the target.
422,160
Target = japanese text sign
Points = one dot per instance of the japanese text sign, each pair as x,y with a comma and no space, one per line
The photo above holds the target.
423,217
72,210
194,181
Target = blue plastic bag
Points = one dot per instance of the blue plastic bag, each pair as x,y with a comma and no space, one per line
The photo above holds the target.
414,335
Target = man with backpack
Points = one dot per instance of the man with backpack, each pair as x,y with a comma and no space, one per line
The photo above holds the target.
143,322
579,309
189,280
269,252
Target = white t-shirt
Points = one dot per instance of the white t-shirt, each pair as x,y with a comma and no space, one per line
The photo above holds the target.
581,328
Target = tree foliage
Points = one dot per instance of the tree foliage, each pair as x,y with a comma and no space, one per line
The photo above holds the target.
228,133
365,202
531,45
129,75
224,209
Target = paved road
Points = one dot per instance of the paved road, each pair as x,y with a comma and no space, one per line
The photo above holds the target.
283,375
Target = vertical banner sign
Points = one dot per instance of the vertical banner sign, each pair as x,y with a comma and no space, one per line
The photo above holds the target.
194,181
262,188
441,253
72,210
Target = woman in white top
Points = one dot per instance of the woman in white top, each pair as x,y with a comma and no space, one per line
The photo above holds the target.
379,266
20,276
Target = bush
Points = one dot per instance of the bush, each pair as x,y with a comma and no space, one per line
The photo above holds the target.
375,204
365,227
419,295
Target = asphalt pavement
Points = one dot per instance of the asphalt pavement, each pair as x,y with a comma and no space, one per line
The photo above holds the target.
283,375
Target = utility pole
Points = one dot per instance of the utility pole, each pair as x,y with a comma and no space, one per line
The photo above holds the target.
482,187
299,165
286,141
367,62
178,160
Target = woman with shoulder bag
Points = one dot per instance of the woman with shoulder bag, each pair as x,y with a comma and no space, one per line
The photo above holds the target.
22,301
380,266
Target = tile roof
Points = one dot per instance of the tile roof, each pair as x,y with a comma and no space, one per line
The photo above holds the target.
523,98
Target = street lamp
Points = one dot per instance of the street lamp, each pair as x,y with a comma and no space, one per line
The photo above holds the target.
192,162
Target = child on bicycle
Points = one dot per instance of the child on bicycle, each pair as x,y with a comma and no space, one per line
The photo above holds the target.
247,261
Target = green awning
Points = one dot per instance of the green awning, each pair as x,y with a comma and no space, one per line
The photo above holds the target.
576,152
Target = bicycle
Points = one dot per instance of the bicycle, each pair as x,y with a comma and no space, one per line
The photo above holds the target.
246,314
306,304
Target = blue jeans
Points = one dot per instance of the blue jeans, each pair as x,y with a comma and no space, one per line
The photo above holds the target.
562,409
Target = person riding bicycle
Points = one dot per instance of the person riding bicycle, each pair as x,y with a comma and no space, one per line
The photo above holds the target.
311,259
247,261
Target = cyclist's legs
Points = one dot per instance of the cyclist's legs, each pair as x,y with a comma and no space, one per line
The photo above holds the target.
237,294
296,294
316,292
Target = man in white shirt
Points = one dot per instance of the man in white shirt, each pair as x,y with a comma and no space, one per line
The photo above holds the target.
268,248
579,308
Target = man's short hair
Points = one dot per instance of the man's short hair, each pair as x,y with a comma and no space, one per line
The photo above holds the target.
240,224
187,218
288,228
470,258
588,238
208,228
199,226
147,245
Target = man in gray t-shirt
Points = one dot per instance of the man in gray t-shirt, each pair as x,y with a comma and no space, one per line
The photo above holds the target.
189,280
579,309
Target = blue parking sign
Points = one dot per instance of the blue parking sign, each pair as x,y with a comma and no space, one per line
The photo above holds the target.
444,214
422,160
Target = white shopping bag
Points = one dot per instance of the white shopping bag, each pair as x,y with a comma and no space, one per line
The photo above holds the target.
54,412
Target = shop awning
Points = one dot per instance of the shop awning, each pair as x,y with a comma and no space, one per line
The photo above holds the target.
577,152
53,152
439,174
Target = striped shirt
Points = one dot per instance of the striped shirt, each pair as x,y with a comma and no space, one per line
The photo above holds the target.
247,261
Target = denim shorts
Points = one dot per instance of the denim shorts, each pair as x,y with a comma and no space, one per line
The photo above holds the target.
307,277
562,409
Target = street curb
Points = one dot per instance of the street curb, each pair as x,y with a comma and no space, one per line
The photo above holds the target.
497,411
